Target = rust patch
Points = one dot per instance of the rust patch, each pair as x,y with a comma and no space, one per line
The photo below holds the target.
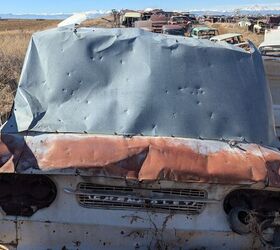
11,147
144,158
272,161
273,173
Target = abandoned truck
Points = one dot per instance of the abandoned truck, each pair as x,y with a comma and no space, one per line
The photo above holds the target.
126,139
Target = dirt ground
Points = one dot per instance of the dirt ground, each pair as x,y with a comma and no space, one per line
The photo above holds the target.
14,39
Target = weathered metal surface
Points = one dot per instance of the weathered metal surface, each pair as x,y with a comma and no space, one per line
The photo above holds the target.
59,236
131,82
273,167
11,147
143,158
66,223
8,232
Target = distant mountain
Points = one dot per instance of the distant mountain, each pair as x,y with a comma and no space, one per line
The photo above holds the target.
34,16
260,7
257,9
234,12
56,16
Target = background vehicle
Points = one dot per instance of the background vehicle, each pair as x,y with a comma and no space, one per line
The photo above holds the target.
184,21
260,27
129,18
173,30
154,24
244,23
203,32
231,38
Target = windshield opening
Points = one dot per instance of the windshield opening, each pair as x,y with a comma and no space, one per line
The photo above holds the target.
207,33
235,40
176,32
181,19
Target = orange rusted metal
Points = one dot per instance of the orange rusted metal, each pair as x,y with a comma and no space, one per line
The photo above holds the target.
143,158
273,166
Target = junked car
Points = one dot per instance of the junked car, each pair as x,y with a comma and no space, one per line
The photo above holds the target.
176,30
110,145
128,18
271,44
203,32
235,39
184,21
154,24
245,23
260,27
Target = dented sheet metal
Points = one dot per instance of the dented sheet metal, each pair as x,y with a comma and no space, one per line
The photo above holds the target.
132,82
145,158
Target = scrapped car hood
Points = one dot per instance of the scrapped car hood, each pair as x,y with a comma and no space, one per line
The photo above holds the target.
133,82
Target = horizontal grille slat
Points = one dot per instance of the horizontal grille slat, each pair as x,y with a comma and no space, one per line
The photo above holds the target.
187,201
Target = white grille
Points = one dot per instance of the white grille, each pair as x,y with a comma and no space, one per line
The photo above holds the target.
187,201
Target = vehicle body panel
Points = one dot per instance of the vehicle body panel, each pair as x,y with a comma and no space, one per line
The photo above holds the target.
144,161
67,224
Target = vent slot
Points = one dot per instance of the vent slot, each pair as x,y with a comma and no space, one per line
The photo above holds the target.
187,201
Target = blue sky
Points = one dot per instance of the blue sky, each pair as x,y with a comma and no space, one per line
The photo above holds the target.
69,6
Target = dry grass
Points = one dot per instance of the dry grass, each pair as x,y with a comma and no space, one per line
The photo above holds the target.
12,49
14,39
100,22
26,25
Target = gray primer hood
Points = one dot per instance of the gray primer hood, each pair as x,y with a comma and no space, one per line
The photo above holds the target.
128,81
